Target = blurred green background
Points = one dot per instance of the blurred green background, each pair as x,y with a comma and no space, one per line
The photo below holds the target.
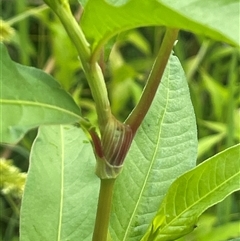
35,37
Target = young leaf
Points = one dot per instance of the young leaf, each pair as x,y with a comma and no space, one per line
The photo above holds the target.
192,193
60,196
164,147
29,98
208,142
216,19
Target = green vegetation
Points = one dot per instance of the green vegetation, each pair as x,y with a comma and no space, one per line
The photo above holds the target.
168,157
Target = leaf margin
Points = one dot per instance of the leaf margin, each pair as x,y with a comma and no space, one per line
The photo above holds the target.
161,216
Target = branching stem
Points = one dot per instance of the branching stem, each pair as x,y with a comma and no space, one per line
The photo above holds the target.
99,92
137,115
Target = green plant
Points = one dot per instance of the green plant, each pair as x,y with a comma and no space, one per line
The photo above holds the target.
59,201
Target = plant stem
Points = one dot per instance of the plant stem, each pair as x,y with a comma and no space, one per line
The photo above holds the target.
103,211
198,59
12,204
137,115
99,93
231,103
91,69
74,32
26,14
224,207
23,27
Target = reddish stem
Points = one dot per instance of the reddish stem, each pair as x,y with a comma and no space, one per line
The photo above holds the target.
136,117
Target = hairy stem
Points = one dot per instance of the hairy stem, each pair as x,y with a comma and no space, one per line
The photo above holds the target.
103,211
137,115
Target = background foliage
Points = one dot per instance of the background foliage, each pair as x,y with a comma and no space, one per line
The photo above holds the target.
36,38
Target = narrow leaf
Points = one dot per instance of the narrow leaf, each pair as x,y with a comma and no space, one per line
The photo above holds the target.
195,191
216,19
164,148
29,98
60,196
207,143
227,230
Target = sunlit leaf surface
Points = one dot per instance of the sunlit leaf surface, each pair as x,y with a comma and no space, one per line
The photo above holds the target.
195,191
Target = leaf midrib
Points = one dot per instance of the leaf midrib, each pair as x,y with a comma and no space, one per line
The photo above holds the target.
39,104
151,164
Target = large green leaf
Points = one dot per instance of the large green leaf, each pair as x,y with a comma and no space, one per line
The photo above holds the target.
164,148
60,196
195,191
216,19
28,98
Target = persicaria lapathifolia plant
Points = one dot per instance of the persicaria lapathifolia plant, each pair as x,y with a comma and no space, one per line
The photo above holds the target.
116,137
159,194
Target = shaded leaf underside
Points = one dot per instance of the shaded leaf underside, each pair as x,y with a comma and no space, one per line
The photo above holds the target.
60,196
215,19
28,98
164,148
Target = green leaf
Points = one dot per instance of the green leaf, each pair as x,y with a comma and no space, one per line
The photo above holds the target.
206,143
165,147
228,230
60,196
195,191
29,98
208,229
83,2
218,92
216,19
